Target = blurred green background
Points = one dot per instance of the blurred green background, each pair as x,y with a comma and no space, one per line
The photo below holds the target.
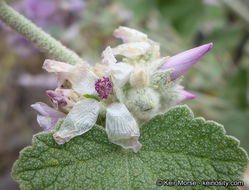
220,79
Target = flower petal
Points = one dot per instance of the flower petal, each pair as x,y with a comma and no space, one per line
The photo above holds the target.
129,35
139,77
80,75
185,60
186,95
45,110
62,98
107,57
80,119
83,82
61,68
121,127
120,73
49,116
56,66
132,49
47,123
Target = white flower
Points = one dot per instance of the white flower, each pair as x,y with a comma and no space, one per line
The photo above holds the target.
121,127
128,92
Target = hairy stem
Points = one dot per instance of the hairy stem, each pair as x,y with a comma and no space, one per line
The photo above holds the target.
37,36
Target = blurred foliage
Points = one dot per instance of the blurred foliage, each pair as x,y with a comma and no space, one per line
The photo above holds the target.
220,79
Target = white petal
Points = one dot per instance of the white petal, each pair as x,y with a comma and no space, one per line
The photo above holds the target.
120,73
83,80
80,75
139,77
56,66
121,127
80,119
132,49
107,57
129,34
62,69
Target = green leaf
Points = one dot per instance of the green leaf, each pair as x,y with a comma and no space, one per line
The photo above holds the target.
91,97
157,79
175,146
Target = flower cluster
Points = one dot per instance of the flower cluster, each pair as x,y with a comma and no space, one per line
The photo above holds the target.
127,93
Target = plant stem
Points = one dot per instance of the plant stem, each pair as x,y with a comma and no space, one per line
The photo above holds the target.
36,35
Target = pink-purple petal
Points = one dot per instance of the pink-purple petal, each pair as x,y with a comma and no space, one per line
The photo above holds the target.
48,116
47,123
45,110
186,95
182,62
61,98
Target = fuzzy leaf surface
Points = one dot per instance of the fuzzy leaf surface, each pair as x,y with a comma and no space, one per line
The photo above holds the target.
176,146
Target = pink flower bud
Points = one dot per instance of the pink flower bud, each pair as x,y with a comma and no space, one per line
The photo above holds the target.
185,60
186,95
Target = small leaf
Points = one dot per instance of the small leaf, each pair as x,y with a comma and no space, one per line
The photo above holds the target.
160,79
175,146
91,97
